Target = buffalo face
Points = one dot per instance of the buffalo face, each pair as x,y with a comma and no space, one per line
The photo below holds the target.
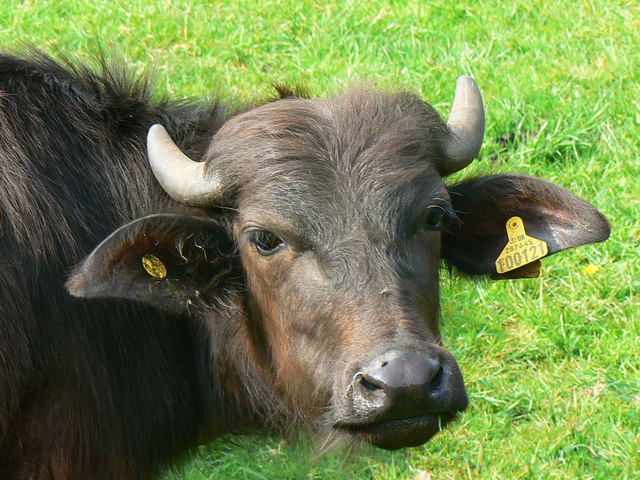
339,237
346,297
315,252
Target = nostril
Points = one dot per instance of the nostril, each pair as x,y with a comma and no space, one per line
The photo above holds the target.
372,387
437,378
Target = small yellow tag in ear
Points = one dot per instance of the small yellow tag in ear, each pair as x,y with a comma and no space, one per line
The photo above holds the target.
521,249
154,266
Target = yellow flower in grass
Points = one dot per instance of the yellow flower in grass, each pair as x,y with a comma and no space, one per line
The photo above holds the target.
590,269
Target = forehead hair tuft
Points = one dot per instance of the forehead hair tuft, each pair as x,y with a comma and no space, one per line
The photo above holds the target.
363,137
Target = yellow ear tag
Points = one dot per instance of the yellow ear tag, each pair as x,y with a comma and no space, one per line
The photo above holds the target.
521,249
154,266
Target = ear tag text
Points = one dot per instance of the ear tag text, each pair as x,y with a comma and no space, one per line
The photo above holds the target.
154,266
521,249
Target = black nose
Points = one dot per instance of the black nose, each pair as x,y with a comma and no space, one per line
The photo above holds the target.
406,384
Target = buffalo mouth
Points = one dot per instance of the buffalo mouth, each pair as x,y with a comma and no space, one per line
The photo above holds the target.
400,433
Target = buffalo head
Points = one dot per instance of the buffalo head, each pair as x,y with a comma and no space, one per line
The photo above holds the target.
311,253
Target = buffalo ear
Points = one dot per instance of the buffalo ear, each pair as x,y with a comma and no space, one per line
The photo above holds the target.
166,260
473,242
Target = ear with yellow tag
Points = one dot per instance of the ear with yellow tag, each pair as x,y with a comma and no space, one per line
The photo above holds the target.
170,261
506,223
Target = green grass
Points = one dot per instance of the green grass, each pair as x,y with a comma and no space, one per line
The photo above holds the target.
552,364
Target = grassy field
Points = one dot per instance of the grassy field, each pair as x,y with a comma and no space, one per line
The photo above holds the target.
552,364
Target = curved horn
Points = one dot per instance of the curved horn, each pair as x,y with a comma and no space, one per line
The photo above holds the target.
182,178
466,122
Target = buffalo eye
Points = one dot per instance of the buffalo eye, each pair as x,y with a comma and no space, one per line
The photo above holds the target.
266,243
434,219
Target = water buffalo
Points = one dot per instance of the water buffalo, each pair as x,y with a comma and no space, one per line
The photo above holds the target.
268,268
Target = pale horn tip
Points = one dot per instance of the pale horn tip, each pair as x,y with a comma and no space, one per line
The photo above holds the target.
466,122
183,179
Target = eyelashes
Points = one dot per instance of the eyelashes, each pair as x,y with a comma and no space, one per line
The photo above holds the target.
266,243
